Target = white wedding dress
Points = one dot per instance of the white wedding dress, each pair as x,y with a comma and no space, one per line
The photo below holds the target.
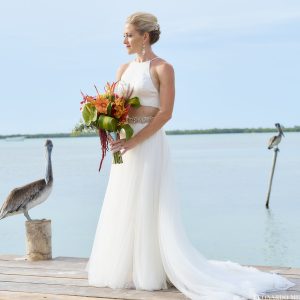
140,240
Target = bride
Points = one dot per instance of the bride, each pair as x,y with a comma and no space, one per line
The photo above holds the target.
140,242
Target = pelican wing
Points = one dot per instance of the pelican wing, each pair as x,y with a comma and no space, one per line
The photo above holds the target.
272,140
21,196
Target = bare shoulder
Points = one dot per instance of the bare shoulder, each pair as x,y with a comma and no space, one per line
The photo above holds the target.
121,70
164,68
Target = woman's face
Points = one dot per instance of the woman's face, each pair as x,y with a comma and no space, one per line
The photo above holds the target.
133,40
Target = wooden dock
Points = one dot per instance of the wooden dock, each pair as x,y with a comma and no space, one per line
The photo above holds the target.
64,278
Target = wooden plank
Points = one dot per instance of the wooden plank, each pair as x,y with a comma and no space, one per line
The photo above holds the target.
270,268
280,270
53,280
287,295
291,271
36,296
90,291
11,257
44,279
290,276
68,258
46,264
43,272
60,281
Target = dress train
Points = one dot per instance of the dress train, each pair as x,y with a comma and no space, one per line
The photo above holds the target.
140,241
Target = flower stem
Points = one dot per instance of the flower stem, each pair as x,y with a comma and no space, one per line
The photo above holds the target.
117,158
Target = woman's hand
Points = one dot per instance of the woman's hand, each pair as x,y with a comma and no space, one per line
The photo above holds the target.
121,144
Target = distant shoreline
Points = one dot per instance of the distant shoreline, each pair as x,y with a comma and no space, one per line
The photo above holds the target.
169,132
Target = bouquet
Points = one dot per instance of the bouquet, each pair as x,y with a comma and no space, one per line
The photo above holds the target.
107,113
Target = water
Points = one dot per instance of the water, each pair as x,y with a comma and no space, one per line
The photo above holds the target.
222,181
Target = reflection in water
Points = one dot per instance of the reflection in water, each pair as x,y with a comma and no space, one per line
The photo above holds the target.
276,246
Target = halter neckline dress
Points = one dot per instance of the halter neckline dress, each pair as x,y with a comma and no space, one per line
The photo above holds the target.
140,241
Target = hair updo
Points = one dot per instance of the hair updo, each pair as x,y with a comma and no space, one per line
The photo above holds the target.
145,22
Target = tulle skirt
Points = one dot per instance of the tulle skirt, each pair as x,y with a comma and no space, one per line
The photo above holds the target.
140,241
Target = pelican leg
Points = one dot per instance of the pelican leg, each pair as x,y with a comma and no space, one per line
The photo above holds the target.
27,215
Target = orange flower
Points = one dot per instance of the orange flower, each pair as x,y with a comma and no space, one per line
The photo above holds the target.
101,104
119,101
119,107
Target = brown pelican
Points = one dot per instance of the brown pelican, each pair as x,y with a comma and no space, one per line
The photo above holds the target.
276,139
23,198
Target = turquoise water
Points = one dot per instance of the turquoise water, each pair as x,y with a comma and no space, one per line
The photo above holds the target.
222,180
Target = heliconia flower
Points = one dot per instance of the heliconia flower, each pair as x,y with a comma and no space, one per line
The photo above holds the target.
123,89
90,99
110,88
86,99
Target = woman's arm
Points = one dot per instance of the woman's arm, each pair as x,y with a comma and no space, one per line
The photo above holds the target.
121,70
166,78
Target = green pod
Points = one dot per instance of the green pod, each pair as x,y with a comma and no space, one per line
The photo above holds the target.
107,123
89,113
134,102
128,130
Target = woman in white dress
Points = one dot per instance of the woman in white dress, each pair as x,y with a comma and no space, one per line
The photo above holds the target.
140,241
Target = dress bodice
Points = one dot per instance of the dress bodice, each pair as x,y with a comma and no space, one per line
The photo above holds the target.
137,75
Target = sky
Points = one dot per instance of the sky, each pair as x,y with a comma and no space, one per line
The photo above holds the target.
236,62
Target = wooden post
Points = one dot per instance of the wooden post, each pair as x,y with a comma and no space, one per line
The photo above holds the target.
38,240
271,178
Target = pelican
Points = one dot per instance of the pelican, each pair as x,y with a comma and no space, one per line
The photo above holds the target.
23,198
276,139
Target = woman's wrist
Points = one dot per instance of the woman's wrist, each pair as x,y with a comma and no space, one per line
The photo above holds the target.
135,139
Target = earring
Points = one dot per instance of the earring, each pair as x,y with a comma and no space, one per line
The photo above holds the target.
143,50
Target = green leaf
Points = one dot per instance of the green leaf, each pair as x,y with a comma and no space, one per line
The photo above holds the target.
89,113
109,108
107,123
135,102
128,131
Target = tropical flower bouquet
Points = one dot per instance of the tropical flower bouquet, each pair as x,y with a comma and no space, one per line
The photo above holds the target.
107,113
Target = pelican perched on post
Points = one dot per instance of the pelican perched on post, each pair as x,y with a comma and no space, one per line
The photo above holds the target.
273,143
23,198
276,139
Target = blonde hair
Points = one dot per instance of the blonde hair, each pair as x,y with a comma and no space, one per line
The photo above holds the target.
145,22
